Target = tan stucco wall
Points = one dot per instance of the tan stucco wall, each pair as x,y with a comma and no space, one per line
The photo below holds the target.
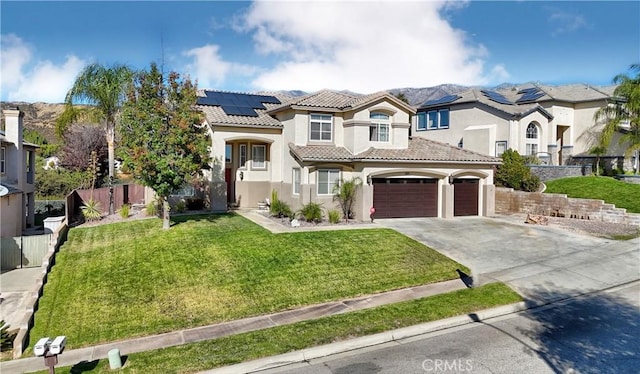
11,213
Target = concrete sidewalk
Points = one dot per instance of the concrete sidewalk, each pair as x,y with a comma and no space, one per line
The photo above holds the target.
148,343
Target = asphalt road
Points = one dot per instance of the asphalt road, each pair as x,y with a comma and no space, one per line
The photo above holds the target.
596,333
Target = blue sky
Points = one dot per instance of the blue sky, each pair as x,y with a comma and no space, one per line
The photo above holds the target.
362,46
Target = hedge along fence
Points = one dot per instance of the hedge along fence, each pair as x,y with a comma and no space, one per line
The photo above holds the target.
122,194
551,204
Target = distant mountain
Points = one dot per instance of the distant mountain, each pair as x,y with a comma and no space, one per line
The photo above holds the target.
417,96
38,116
42,116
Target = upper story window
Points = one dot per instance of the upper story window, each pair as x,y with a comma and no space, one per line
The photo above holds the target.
379,128
3,155
433,120
501,147
259,156
320,126
532,141
532,131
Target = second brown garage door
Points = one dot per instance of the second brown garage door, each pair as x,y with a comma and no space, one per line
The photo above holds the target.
465,197
406,197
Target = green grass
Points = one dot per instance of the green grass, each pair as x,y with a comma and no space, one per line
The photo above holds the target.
248,346
133,279
612,191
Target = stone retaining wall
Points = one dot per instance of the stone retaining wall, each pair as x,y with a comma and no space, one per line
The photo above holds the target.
559,205
58,237
550,172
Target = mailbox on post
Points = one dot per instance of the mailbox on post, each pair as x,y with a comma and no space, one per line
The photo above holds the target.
42,347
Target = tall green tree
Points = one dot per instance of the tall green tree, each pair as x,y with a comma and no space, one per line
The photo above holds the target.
96,96
164,141
624,109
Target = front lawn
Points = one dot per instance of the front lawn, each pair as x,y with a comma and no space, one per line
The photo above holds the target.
612,191
282,339
133,279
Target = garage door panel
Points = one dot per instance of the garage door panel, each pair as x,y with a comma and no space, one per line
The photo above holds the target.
465,197
405,198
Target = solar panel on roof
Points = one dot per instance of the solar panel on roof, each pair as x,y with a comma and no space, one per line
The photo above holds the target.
529,90
494,96
443,100
233,110
530,96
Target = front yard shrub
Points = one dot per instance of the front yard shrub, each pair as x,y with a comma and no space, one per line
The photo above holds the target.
334,216
6,340
124,211
514,173
181,206
91,210
152,208
345,194
311,212
279,208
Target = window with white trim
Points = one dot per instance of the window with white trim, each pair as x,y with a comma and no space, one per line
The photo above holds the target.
320,126
531,145
243,155
3,155
228,151
435,119
259,156
501,147
421,121
379,127
296,181
327,180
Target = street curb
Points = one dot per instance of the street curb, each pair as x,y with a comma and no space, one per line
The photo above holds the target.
398,335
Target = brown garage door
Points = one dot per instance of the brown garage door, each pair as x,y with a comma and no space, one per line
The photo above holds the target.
465,197
407,197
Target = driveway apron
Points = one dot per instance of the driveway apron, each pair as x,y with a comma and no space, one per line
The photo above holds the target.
543,263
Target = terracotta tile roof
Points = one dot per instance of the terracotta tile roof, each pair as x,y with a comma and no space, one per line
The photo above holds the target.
338,101
419,150
320,152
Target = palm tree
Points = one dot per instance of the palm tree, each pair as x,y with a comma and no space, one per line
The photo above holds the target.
101,92
625,109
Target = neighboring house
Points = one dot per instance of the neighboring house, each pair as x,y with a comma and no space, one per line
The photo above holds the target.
554,123
17,175
302,147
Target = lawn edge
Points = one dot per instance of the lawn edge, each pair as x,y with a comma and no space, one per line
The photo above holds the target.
386,337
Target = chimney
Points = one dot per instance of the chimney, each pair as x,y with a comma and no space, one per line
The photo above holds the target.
13,132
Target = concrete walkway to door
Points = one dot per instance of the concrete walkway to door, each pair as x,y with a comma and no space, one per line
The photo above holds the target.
537,261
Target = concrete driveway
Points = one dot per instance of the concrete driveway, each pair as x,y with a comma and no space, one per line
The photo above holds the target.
543,263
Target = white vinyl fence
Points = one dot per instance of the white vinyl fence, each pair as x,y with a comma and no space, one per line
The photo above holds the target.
23,251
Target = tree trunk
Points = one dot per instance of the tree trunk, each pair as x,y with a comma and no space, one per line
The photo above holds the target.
637,161
166,222
112,159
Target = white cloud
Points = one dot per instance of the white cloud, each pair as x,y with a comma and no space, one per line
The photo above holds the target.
25,80
363,46
566,22
499,74
210,69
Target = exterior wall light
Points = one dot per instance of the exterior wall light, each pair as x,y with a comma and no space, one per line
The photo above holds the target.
369,179
241,175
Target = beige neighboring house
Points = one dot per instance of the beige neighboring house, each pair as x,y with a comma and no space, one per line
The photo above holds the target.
554,123
17,175
302,147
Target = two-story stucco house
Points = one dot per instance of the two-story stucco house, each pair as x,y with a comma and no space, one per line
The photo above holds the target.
17,176
302,147
554,123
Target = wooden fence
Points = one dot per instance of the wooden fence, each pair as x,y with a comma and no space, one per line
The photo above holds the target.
122,194
23,251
